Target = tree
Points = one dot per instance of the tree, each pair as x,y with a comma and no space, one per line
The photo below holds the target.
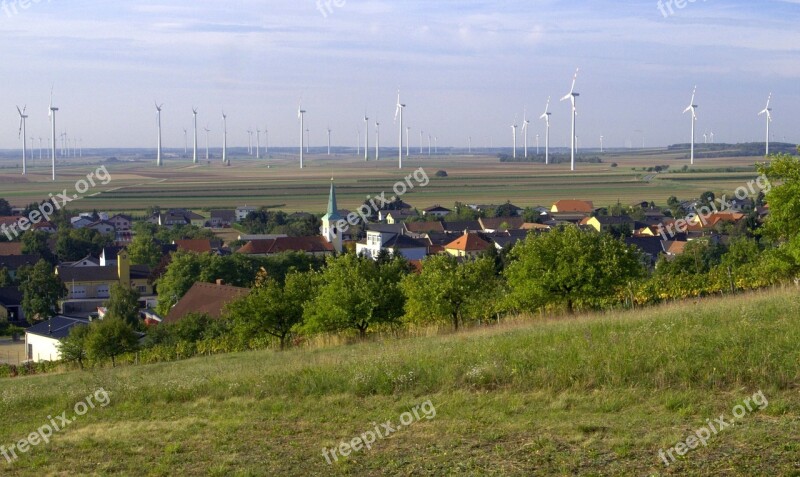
34,242
273,308
110,338
123,303
73,348
75,244
5,208
144,250
5,278
449,291
505,210
41,289
782,189
356,293
569,267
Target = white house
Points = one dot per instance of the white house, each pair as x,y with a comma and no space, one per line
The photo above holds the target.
42,339
411,249
243,212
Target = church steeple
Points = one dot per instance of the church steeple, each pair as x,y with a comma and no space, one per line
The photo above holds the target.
329,221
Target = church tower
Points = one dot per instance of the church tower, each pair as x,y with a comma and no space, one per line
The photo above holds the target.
329,229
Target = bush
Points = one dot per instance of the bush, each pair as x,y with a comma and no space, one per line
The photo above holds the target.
441,174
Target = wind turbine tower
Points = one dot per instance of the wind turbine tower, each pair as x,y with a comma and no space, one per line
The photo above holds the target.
207,131
366,137
224,138
329,140
52,115
399,110
158,117
546,117
573,96
377,140
525,123
194,117
301,113
693,108
23,133
514,130
768,113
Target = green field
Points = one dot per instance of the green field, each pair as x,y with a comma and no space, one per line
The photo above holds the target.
279,182
594,395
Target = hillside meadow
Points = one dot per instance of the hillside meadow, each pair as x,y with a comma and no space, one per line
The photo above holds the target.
599,394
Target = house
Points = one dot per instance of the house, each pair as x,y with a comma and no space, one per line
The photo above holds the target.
673,248
42,339
89,287
501,224
102,226
651,247
81,222
121,222
436,211
87,261
10,248
485,208
393,243
11,306
108,256
508,238
317,246
605,223
419,229
467,245
573,207
244,211
44,226
396,216
177,217
566,218
207,298
14,262
221,218
535,227
460,227
198,245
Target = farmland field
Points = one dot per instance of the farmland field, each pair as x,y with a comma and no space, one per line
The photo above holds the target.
278,182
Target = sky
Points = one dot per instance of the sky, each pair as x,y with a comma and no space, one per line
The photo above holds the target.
464,68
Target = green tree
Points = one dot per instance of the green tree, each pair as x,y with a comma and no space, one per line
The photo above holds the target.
75,244
571,268
41,289
110,338
448,291
34,242
123,303
144,250
273,308
783,196
5,278
356,293
73,348
5,207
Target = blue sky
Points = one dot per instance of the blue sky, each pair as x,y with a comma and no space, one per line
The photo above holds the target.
465,68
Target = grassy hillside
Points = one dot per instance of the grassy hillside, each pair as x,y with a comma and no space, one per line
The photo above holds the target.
597,395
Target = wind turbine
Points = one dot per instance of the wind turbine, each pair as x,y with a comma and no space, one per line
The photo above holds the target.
421,139
514,130
249,142
52,115
194,117
573,96
537,144
546,117
408,141
301,114
693,108
601,143
40,148
377,140
429,145
469,144
525,123
399,110
329,140
185,142
23,133
308,141
224,138
207,131
266,142
768,112
711,136
158,116
258,143
366,137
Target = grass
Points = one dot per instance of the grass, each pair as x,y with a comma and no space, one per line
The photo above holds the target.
595,395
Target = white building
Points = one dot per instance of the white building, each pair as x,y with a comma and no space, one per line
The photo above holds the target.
377,241
42,339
